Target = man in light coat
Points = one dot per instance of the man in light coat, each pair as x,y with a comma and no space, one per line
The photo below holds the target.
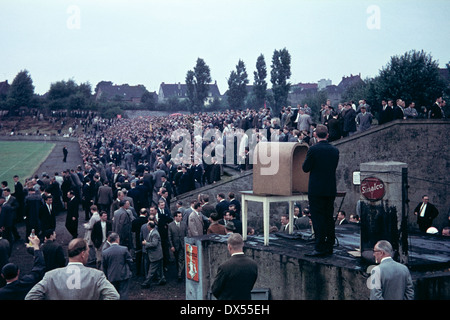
390,280
195,225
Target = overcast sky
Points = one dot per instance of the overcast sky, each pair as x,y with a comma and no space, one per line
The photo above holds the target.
152,41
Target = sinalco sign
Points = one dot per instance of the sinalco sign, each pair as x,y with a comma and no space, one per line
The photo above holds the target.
372,189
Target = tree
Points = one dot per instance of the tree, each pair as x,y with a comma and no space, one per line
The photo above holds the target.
62,89
237,86
21,92
260,84
67,94
280,73
197,82
363,90
148,100
414,76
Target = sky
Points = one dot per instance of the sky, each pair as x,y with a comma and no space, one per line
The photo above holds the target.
153,41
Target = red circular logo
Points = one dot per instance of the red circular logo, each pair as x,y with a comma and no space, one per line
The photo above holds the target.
372,188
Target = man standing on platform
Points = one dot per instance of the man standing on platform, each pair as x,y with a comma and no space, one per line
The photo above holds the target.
321,162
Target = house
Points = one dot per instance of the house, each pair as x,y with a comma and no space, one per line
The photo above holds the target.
300,91
303,88
350,81
126,93
179,90
4,87
334,93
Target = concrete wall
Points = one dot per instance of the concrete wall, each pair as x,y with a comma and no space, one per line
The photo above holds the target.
295,277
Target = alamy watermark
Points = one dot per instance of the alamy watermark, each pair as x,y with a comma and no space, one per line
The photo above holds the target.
73,22
374,281
232,146
373,21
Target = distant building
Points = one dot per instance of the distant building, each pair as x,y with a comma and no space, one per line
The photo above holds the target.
303,87
300,91
179,90
126,93
4,87
322,84
334,93
350,81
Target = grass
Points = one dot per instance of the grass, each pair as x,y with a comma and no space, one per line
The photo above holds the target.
22,159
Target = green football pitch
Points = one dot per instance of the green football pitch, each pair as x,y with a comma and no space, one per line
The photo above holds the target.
21,158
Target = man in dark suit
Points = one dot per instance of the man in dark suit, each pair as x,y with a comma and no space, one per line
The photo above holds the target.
386,112
17,288
177,232
47,215
236,277
72,214
19,194
136,226
5,253
116,264
136,195
53,251
88,197
321,162
163,219
168,187
6,220
222,205
207,208
65,152
236,203
436,111
12,201
425,213
33,202
341,218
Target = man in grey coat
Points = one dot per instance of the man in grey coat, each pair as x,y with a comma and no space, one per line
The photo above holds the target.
153,248
390,280
75,281
116,264
122,221
177,232
364,119
195,221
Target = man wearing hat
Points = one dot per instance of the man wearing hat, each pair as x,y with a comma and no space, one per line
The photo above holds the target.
230,228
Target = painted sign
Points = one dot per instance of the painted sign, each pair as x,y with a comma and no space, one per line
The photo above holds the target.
372,188
191,262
